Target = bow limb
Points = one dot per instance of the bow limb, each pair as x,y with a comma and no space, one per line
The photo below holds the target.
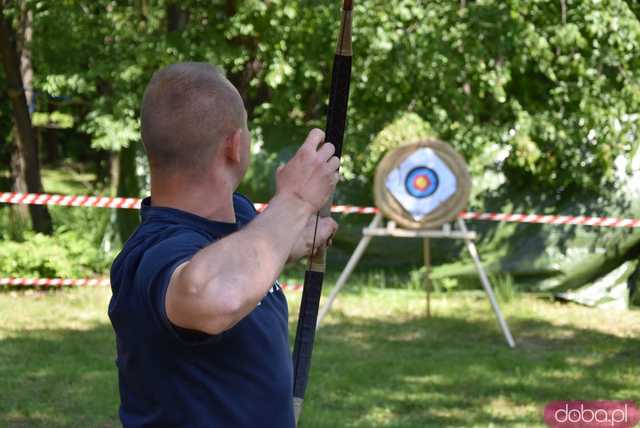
314,277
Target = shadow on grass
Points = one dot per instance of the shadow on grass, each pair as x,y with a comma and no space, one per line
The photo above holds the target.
59,378
451,372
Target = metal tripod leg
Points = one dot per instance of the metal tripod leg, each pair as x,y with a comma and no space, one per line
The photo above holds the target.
487,286
351,265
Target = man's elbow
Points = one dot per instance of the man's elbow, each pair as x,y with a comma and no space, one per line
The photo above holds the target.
194,304
222,315
212,320
207,308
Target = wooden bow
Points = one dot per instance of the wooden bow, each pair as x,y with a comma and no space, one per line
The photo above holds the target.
336,125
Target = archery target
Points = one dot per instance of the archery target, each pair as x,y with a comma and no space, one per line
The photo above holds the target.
422,185
422,182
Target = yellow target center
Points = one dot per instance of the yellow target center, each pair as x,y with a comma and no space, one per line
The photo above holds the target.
422,183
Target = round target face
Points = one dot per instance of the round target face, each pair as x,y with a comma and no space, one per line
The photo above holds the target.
422,182
422,185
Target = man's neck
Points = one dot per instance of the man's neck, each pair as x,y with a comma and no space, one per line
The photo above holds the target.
213,201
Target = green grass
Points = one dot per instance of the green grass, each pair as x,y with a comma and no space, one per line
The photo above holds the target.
378,361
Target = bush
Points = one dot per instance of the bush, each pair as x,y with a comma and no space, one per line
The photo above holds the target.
65,255
407,129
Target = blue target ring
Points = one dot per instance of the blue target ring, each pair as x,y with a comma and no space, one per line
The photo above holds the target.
422,182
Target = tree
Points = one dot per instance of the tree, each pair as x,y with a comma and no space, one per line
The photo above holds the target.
550,86
25,163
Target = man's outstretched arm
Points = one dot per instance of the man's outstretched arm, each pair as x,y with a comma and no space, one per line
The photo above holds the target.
225,281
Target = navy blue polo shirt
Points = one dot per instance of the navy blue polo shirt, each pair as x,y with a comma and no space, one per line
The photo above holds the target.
172,377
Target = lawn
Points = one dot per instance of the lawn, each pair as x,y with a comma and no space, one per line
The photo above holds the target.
378,361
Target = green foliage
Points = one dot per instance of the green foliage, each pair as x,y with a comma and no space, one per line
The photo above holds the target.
259,181
408,128
65,255
512,72
14,225
416,278
438,284
446,284
57,119
504,287
75,250
110,133
554,96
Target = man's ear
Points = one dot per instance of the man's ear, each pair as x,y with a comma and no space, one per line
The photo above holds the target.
233,146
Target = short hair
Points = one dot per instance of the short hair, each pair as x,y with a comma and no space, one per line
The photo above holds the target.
187,109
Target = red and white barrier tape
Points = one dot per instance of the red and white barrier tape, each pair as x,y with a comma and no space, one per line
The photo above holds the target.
338,209
134,203
85,282
68,201
554,219
55,282
126,203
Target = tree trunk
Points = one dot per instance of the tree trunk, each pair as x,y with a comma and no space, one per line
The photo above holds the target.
177,17
24,40
25,163
128,186
114,173
100,161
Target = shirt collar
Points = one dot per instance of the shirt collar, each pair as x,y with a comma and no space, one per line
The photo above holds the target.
174,215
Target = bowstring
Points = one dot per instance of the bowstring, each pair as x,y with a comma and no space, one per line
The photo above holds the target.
313,243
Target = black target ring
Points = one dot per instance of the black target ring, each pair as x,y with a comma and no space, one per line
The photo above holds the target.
422,182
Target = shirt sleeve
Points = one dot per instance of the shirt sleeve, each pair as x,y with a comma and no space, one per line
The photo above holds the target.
154,275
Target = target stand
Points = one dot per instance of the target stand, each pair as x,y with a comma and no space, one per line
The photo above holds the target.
421,189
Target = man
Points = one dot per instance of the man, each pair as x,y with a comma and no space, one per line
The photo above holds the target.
200,320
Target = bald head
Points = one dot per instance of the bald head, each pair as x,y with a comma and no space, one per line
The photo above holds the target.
188,109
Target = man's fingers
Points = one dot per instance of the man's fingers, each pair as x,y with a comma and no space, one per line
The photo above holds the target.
328,228
333,165
326,152
329,240
312,172
335,178
313,141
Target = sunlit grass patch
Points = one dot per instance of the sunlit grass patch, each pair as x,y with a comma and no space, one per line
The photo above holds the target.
378,361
